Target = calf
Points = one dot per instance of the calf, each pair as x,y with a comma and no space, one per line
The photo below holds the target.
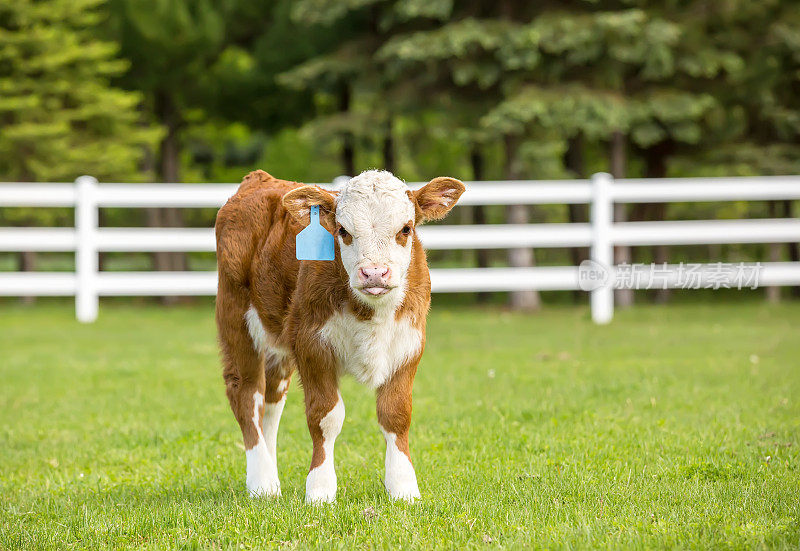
363,313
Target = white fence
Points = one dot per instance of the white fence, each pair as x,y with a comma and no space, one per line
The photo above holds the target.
86,239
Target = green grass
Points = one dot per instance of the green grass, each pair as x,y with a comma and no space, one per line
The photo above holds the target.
674,427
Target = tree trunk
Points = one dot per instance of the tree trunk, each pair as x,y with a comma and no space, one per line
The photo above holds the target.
656,167
794,248
27,263
661,256
528,299
153,216
102,256
773,294
576,214
155,219
479,216
169,171
388,147
622,255
348,149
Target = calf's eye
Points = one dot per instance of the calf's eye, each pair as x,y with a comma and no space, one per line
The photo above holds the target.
343,232
406,230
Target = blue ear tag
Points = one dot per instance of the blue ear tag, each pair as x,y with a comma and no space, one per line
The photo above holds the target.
314,242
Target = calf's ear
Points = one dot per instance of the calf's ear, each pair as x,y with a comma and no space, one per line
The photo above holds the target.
435,199
300,200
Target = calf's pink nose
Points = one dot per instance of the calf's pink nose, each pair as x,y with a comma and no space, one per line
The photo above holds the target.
373,273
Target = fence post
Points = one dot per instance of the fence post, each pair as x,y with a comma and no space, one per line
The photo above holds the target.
602,298
86,261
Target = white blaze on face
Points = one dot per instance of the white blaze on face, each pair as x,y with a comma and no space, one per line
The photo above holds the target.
373,207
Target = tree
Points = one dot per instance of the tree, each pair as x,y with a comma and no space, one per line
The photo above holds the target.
457,63
171,45
643,77
632,77
769,93
360,94
197,61
60,116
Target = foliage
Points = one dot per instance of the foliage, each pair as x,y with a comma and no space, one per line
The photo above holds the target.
60,117
717,83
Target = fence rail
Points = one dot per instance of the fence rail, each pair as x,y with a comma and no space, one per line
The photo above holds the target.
87,239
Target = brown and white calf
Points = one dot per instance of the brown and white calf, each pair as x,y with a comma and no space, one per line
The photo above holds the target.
363,313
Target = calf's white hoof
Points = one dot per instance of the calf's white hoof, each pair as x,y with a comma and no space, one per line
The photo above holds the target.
321,485
400,479
264,489
318,497
262,473
403,491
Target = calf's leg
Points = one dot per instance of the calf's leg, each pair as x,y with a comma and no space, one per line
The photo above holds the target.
278,372
325,417
394,418
246,387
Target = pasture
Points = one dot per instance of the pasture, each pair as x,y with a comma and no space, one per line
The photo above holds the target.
674,426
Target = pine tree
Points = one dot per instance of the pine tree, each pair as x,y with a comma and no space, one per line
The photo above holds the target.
360,98
637,75
60,118
654,88
172,45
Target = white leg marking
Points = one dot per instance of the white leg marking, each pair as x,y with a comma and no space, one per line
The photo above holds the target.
262,470
272,418
263,342
400,479
321,481
256,329
283,385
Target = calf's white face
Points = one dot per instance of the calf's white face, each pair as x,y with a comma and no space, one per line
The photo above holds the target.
373,217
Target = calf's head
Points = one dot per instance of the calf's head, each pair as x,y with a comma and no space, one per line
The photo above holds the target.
373,217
